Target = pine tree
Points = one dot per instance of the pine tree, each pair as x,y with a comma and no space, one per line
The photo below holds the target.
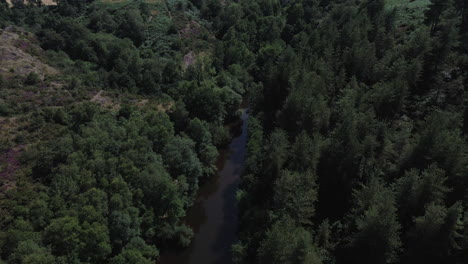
415,190
376,238
305,153
287,244
295,195
435,237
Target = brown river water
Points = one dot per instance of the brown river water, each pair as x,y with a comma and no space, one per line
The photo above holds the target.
214,215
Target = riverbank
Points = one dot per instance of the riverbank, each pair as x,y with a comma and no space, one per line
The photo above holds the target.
213,217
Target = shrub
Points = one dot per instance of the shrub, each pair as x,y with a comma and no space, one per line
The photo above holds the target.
4,109
32,79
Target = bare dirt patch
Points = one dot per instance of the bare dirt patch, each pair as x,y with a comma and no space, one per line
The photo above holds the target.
166,107
10,162
124,1
44,2
191,30
16,47
114,1
105,101
189,59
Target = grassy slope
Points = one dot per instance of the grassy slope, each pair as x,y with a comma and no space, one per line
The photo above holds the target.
22,100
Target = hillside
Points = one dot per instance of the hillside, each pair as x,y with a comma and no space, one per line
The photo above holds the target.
119,119
111,114
43,2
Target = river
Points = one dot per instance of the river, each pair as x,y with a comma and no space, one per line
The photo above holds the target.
214,215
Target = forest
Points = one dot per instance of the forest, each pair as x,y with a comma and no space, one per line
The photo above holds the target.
113,114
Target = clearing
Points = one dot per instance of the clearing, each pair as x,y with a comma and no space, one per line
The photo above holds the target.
44,2
16,49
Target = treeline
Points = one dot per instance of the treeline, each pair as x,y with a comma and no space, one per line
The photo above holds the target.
101,185
357,148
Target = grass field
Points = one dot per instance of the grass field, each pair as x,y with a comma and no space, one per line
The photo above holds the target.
409,11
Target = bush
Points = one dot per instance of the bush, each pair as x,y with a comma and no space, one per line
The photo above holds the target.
5,144
221,135
32,79
4,109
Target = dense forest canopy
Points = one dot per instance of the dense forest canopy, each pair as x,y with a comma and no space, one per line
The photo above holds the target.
112,113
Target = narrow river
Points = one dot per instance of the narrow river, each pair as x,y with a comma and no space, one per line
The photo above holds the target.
213,217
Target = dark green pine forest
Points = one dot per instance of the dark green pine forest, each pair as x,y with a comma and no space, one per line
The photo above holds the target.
113,114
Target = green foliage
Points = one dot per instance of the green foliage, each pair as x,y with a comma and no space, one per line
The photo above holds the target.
32,79
132,27
182,160
102,20
63,234
30,252
416,190
4,109
112,180
389,98
408,12
440,142
277,151
159,189
305,109
355,152
295,195
305,153
236,52
107,182
210,8
377,235
287,243
137,251
255,151
207,153
435,234
206,101
238,252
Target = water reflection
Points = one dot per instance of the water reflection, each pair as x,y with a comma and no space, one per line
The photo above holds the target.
213,217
